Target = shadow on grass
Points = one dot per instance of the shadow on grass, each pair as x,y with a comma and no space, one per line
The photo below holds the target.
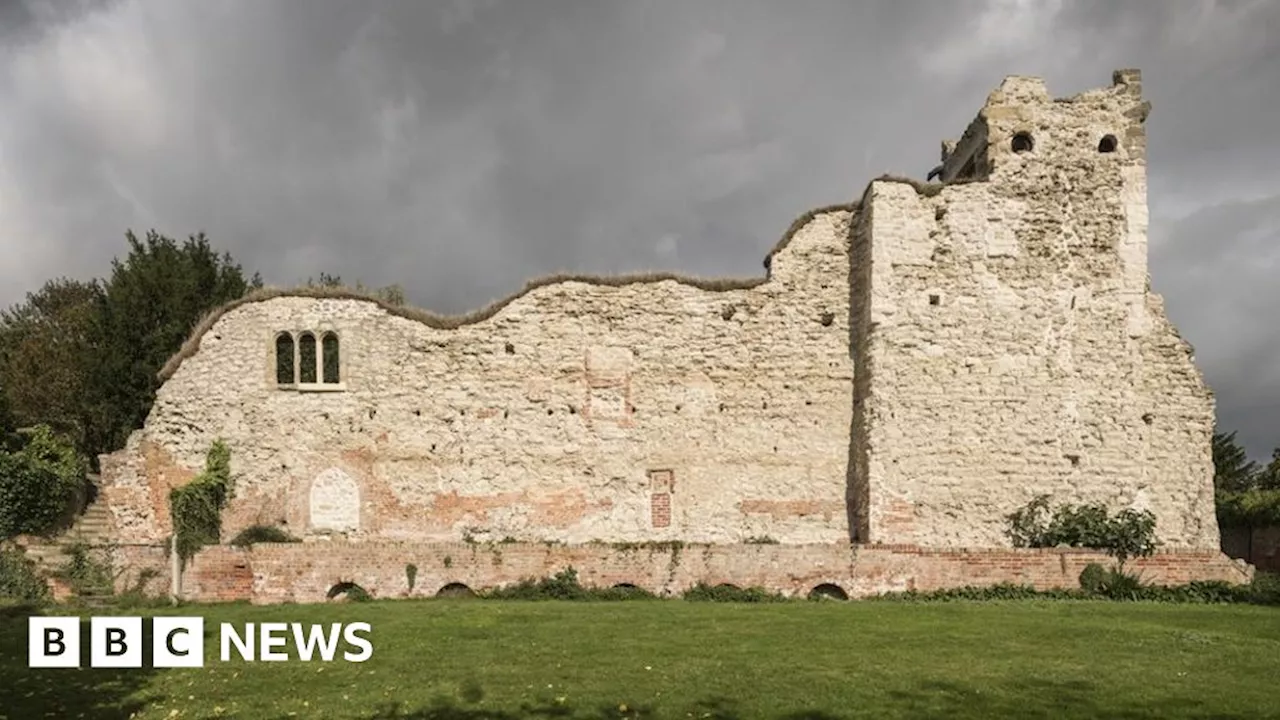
1033,698
84,692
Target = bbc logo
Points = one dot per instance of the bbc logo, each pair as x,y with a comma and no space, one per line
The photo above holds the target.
176,642
115,642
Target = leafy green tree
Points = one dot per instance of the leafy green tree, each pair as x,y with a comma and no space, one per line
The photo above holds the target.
1233,471
47,352
1269,477
152,301
39,483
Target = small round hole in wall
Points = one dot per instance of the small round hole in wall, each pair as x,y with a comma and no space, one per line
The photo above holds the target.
1108,144
935,299
1022,142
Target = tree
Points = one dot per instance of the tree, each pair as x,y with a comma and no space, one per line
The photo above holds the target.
1233,471
150,305
1269,477
47,351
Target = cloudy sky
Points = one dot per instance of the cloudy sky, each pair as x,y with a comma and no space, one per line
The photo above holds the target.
457,147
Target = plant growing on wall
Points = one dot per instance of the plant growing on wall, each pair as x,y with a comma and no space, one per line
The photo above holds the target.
1126,534
197,506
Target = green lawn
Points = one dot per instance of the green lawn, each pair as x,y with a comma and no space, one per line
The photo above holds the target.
457,659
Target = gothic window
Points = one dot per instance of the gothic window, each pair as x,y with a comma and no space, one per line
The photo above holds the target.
307,358
329,351
284,359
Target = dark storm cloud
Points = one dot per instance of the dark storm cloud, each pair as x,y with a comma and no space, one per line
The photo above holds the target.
458,148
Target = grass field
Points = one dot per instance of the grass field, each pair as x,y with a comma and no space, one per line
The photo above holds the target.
456,659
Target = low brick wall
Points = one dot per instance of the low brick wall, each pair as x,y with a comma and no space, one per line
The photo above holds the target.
305,572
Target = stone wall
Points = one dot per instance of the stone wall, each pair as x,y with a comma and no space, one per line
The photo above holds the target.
307,572
1009,345
909,372
579,411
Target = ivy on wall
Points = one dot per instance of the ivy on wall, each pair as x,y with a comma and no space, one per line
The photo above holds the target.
197,506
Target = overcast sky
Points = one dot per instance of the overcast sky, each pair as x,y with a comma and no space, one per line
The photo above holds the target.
458,147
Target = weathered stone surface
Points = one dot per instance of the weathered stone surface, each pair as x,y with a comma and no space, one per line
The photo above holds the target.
914,368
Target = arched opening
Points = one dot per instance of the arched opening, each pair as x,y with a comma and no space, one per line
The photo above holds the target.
828,591
347,591
455,590
284,359
1107,144
329,353
307,358
729,587
1022,142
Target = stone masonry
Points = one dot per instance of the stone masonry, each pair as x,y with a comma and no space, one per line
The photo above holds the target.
912,367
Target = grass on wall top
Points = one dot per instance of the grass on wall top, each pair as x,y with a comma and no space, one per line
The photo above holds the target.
452,322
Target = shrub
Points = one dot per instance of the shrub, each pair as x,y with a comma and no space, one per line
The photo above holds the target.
19,578
1249,508
197,506
1002,591
1129,533
85,574
730,593
563,585
1092,578
262,534
1116,584
38,483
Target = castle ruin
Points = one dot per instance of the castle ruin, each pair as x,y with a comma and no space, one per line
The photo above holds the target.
911,368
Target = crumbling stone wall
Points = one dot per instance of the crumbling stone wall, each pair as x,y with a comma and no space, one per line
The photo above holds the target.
914,367
1007,339
579,411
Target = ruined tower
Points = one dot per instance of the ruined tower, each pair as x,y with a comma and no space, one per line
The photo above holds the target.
1006,342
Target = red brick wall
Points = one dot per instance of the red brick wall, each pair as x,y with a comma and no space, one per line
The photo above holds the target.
304,572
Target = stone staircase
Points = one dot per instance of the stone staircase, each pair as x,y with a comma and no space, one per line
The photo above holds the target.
92,527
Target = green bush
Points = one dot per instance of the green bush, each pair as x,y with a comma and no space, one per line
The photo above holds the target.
563,585
85,574
262,534
730,593
38,483
197,506
1248,508
1092,578
1127,534
19,579
1002,591
1116,584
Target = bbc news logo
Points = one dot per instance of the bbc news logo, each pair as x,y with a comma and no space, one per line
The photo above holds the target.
177,642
